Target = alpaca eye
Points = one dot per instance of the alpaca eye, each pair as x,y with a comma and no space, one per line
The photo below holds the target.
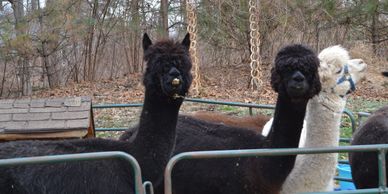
339,71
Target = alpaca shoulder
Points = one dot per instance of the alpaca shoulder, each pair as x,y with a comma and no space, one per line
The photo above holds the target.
255,122
364,164
374,130
202,134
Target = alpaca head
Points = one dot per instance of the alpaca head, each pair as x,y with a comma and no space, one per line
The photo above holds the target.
339,74
168,67
295,73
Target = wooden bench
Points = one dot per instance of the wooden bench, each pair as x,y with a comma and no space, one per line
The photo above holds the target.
51,118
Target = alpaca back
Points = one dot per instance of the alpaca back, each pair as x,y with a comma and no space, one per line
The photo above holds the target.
69,177
255,123
364,164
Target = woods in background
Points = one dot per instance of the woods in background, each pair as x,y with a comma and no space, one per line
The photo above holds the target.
50,43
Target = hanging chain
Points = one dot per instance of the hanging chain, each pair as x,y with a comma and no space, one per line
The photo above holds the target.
256,72
192,29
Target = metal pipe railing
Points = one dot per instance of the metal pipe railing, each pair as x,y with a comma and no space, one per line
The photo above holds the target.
148,184
112,129
380,148
104,106
382,167
352,119
359,191
205,101
360,115
81,157
239,104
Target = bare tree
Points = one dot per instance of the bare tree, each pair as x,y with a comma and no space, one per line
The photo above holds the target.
135,36
22,62
164,18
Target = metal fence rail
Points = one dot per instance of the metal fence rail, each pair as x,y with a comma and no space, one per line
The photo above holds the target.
359,191
81,157
205,101
380,148
250,106
360,115
140,188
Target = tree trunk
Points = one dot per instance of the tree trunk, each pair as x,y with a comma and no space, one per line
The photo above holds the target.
164,18
317,37
51,70
89,44
135,35
34,5
374,32
3,80
76,67
101,39
23,65
113,61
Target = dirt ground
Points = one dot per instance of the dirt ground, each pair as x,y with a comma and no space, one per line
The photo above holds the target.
218,83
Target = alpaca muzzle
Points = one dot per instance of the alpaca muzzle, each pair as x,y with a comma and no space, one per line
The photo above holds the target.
175,82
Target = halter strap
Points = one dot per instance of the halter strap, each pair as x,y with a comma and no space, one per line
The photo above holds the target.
347,77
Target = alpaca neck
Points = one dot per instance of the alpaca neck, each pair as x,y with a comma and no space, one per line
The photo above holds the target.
285,133
287,124
324,113
155,138
323,119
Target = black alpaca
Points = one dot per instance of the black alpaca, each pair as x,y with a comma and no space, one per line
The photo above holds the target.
167,75
295,79
364,164
385,73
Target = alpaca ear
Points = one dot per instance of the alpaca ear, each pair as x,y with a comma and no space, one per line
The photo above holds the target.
186,41
146,41
275,80
323,76
324,71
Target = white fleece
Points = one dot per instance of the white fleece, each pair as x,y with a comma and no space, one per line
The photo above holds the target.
315,172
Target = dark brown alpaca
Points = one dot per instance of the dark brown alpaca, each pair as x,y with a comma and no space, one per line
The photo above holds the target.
364,164
254,123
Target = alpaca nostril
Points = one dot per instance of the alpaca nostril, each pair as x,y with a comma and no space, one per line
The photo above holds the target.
298,77
174,72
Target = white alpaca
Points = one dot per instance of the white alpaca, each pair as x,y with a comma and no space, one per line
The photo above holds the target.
322,123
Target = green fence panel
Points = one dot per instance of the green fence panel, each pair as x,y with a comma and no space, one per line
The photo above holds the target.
205,101
380,148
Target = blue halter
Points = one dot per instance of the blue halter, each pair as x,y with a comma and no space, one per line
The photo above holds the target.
347,77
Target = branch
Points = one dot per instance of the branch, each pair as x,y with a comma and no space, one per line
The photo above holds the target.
177,23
